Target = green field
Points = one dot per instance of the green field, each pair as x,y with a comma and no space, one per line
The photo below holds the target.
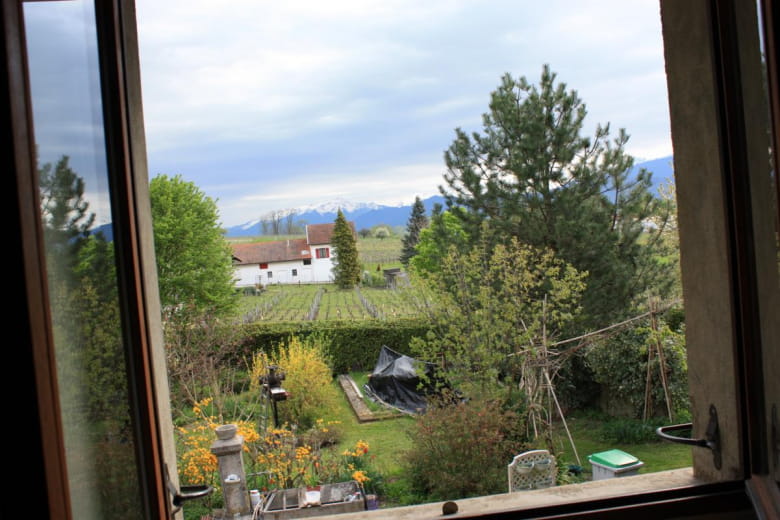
382,252
297,303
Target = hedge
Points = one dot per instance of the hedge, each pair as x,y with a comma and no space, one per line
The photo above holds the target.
352,345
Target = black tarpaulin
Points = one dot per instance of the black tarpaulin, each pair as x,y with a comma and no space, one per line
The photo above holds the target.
396,381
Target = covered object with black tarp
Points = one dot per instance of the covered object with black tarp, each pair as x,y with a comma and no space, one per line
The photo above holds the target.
396,381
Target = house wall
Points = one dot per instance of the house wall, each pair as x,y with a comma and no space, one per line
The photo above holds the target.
282,272
322,267
247,275
319,271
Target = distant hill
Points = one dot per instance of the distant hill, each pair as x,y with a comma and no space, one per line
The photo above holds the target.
368,215
662,170
364,215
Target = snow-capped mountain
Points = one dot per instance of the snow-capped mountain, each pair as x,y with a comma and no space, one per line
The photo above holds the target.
366,215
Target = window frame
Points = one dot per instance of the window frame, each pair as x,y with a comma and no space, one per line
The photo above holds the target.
134,248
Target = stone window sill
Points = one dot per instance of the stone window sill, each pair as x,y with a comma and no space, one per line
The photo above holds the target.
572,493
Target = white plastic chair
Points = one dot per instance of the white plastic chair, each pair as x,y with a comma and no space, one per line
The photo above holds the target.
533,469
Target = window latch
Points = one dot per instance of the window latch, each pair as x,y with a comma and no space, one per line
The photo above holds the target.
711,438
179,496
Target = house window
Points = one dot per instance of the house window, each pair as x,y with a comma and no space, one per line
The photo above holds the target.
295,272
307,261
264,266
322,252
270,275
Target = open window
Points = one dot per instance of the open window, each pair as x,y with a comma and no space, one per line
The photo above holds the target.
722,126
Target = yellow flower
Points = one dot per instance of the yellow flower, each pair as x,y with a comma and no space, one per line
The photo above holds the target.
360,477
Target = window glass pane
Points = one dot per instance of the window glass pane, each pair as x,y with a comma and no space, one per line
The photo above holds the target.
298,110
76,215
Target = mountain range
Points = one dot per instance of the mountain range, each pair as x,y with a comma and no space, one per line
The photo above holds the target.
367,215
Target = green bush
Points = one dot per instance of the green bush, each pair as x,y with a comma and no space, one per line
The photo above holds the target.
620,366
630,431
462,450
350,345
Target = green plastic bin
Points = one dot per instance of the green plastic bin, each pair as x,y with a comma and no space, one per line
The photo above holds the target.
613,464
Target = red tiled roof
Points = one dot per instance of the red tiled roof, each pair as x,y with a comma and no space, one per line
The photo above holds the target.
321,233
283,250
277,251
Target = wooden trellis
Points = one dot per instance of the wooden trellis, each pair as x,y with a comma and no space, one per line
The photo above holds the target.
536,380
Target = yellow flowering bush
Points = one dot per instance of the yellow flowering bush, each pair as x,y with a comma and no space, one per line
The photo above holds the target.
308,379
285,463
198,464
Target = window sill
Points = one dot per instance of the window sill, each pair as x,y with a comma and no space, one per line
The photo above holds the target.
559,495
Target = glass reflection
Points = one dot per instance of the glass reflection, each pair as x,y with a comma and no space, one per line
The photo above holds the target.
76,215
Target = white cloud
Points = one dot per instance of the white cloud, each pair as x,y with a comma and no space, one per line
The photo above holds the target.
241,94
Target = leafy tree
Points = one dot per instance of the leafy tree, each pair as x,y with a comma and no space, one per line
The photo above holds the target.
497,307
381,232
445,232
346,265
626,353
194,262
417,222
531,174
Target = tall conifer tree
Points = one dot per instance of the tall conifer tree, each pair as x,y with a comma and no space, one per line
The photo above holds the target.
346,265
532,174
417,222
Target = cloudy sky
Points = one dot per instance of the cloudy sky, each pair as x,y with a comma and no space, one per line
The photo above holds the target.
270,105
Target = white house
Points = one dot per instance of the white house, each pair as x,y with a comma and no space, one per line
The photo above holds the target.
297,260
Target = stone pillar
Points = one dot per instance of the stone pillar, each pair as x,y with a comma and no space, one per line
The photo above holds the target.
228,448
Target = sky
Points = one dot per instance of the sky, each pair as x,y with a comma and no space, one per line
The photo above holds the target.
273,105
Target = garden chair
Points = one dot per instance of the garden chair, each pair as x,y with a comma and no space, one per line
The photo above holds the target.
533,469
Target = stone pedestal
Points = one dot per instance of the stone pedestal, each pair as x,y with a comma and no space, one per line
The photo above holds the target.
228,448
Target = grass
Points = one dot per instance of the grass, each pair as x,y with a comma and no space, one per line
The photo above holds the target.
380,251
293,302
388,439
587,431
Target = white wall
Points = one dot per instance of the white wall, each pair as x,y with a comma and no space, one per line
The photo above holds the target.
322,266
247,275
282,272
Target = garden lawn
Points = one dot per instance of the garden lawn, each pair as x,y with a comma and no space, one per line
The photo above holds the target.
588,439
386,439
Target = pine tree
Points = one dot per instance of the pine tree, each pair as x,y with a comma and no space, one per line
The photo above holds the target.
417,222
67,220
346,265
531,174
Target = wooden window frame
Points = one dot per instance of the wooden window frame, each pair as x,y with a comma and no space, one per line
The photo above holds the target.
134,248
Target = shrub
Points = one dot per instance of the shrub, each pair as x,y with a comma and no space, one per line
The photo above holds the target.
619,365
462,450
630,431
350,345
287,462
308,381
